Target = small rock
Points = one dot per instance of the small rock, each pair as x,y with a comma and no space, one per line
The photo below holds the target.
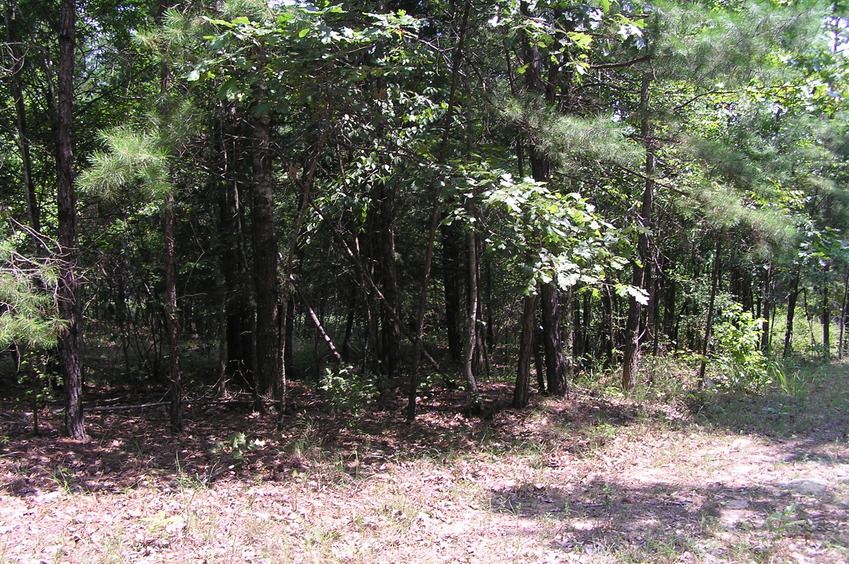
737,504
806,487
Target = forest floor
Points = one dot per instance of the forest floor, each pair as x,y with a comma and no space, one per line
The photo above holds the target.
590,478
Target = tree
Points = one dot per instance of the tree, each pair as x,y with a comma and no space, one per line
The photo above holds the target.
69,338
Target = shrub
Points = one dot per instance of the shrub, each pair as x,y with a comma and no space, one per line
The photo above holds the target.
346,389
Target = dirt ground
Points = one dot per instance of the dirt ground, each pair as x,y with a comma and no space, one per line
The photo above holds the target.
583,479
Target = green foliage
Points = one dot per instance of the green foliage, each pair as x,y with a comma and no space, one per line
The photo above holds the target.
349,390
729,43
287,46
736,355
36,375
29,311
380,122
139,157
790,380
131,158
569,140
544,235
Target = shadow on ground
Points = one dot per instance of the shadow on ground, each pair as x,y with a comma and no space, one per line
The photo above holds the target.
226,440
607,515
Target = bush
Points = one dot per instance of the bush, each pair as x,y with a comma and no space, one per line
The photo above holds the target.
736,350
348,390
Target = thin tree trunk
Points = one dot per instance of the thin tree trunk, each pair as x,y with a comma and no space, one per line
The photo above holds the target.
840,343
452,289
289,337
349,322
435,214
609,340
281,383
539,359
471,334
173,324
576,321
221,322
236,272
653,323
286,303
69,339
792,298
18,62
810,319
319,327
766,314
826,314
223,289
714,288
583,353
391,323
641,272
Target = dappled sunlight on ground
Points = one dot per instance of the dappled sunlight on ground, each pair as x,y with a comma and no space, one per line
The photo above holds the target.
584,479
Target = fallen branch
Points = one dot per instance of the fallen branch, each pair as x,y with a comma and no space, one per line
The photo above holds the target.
127,407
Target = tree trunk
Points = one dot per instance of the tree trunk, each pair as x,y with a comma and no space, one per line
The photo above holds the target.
641,275
670,320
238,294
18,61
522,390
826,314
766,310
281,382
792,298
172,323
471,334
69,339
842,322
349,322
653,320
810,319
539,360
456,62
391,323
319,327
173,326
543,76
555,362
452,288
289,337
265,255
714,288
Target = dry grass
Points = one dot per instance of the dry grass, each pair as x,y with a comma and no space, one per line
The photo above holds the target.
584,479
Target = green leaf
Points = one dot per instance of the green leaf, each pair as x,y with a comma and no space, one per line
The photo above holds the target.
638,294
581,40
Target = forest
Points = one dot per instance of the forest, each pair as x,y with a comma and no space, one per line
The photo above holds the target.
386,199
